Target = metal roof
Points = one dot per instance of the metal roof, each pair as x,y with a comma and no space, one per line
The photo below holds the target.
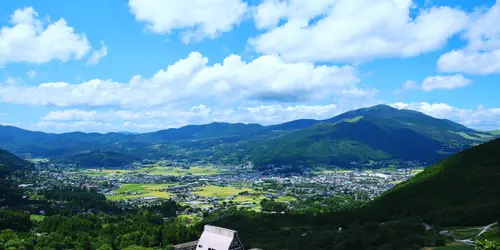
216,237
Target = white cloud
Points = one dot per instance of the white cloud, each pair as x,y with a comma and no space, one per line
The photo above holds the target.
408,85
98,54
31,74
146,120
197,19
161,118
32,40
481,63
435,82
479,118
70,115
444,82
482,54
267,78
10,81
353,30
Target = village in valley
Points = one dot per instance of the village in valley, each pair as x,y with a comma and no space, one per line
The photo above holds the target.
208,188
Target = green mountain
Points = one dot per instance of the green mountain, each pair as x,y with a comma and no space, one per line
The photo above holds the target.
99,159
10,164
495,132
460,190
379,133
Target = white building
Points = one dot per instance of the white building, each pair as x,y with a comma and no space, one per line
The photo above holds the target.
214,238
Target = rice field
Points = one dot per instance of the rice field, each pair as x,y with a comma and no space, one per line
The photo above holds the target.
285,199
127,191
209,191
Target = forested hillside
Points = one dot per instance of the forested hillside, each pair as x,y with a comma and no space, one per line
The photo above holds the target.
380,133
460,190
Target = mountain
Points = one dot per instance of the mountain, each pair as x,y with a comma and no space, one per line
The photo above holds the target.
459,190
379,133
10,163
495,132
213,130
99,159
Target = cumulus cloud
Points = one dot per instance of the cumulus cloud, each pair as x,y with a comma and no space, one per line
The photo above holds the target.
435,82
479,118
352,30
267,78
196,19
161,118
32,40
482,54
444,82
98,54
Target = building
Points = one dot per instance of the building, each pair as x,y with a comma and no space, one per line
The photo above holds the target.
214,238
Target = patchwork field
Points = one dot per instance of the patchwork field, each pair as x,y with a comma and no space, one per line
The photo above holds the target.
155,170
217,191
143,190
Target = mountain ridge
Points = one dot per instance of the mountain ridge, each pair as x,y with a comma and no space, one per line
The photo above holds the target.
335,140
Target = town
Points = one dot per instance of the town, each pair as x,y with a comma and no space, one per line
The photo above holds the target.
209,188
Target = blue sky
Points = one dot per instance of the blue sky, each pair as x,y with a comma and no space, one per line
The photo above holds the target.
147,65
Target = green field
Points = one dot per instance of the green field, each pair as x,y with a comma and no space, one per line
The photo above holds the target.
36,217
248,198
222,192
145,190
285,199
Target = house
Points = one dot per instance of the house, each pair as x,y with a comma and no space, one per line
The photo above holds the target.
214,238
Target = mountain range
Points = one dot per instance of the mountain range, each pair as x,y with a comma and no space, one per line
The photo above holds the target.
380,133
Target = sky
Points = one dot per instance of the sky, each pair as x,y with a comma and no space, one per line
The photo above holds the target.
147,65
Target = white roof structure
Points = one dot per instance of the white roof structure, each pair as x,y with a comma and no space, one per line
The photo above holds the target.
218,238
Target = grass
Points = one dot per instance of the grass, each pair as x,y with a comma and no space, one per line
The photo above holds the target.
248,198
467,136
189,218
495,132
36,217
145,190
285,199
209,191
395,182
355,119
417,171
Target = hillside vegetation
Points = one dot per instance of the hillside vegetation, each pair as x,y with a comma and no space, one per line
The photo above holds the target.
460,190
376,134
101,159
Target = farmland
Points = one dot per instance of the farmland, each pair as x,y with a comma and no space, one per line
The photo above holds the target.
128,191
209,191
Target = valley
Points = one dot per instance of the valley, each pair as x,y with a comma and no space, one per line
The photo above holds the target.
373,178
213,188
